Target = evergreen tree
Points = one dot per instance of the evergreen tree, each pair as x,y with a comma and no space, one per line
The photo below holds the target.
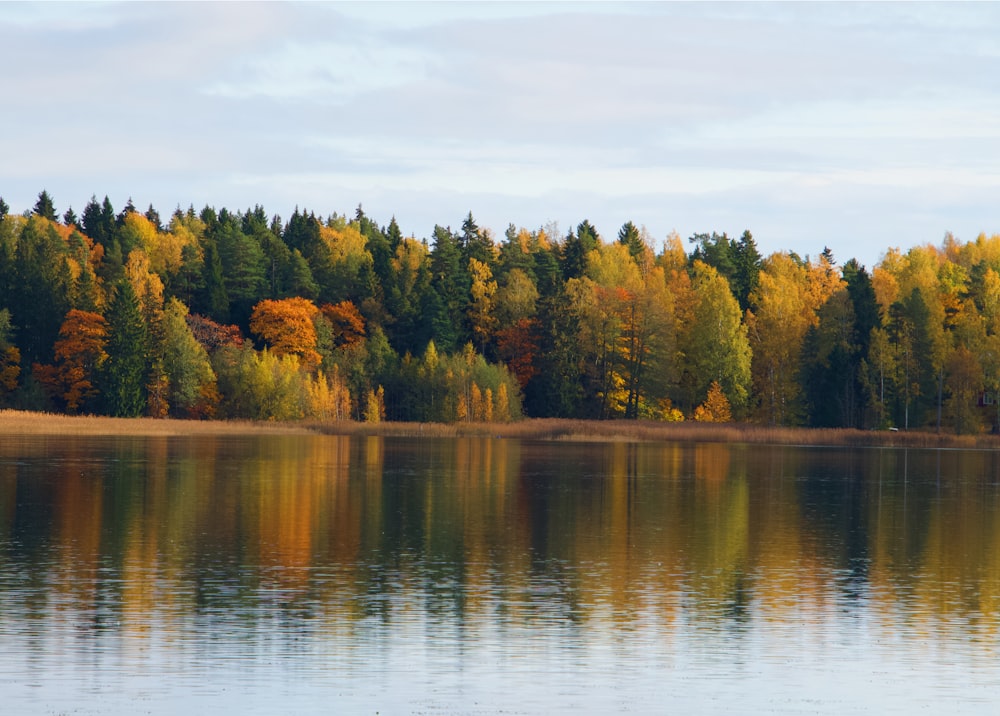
413,328
829,365
4,208
99,221
112,269
44,207
746,274
124,373
39,293
214,300
277,257
451,283
916,344
548,276
242,261
866,310
299,280
516,253
866,319
90,220
393,235
556,390
629,237
129,209
475,243
302,233
575,249
718,251
70,218
154,218
380,245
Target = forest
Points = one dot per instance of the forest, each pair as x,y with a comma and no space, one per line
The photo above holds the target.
215,314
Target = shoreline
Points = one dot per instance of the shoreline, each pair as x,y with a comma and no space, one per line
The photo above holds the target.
18,422
563,430
14,422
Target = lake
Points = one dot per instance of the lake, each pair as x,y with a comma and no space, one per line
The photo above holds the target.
323,574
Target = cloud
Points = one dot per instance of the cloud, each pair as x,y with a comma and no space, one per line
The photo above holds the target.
321,72
827,122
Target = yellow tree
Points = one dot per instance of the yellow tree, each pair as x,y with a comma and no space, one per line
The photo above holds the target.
964,378
375,405
516,299
596,309
482,307
626,315
328,397
341,263
716,408
715,344
785,302
627,327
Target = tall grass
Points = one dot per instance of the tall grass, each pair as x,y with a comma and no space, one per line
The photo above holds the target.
640,431
16,422
13,422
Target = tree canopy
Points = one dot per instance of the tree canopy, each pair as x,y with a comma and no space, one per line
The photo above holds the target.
242,314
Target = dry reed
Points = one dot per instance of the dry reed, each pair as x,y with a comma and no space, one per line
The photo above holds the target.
14,422
641,431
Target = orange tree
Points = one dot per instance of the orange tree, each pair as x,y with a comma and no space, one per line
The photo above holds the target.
287,326
79,354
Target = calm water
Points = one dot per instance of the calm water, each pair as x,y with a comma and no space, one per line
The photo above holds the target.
337,575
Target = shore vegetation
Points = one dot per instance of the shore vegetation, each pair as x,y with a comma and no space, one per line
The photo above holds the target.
220,315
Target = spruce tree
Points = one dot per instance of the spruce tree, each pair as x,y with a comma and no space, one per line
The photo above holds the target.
70,218
44,207
124,374
575,249
154,218
747,259
475,243
630,237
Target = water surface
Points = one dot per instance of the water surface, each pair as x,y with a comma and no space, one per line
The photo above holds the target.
327,574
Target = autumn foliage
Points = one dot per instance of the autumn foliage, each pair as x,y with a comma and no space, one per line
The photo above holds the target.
245,315
287,327
716,408
79,354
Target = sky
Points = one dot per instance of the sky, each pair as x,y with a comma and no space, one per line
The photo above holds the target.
854,126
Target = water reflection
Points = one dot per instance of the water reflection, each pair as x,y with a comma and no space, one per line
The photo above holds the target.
425,574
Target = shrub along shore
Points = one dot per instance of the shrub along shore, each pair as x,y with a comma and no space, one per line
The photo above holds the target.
14,422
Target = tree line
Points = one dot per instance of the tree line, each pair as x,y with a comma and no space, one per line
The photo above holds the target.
220,314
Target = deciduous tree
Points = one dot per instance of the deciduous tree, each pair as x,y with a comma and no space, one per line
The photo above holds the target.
714,344
192,383
79,356
287,327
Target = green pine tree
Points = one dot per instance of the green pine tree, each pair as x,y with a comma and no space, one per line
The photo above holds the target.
44,207
124,374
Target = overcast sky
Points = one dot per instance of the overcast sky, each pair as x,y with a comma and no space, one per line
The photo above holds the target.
853,126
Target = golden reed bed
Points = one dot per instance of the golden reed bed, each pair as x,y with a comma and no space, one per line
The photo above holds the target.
13,422
641,431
